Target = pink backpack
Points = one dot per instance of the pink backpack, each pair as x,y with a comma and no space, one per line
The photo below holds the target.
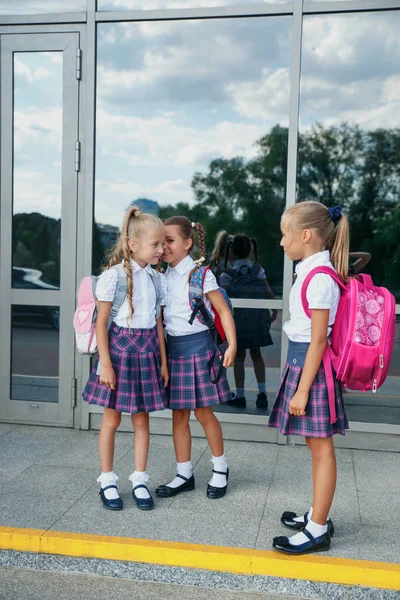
362,335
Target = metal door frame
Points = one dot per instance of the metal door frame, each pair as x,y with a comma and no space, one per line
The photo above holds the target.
60,413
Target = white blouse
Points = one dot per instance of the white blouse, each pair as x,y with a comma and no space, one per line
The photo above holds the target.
323,292
143,296
177,311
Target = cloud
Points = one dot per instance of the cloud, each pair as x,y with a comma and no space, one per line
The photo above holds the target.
24,7
173,4
34,193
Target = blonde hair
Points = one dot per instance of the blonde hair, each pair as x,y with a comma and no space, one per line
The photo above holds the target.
221,242
134,226
335,237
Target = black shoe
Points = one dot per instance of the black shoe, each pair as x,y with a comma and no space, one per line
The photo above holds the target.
319,544
217,492
238,402
115,504
164,491
262,401
287,519
143,503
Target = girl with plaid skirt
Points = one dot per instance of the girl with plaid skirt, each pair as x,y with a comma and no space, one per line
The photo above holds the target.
132,373
190,347
316,236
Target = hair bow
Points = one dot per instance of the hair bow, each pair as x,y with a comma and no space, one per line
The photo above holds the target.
335,213
193,225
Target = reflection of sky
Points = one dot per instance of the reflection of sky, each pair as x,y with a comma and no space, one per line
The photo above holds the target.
26,7
174,96
38,91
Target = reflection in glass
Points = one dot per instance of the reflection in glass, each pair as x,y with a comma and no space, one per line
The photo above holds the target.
26,7
349,144
174,4
261,366
192,119
35,353
38,88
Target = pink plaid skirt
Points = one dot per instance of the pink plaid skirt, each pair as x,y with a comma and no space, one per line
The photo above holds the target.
316,423
135,356
190,385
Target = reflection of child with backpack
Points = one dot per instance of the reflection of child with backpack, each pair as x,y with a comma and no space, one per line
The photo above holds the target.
248,280
191,350
131,346
218,259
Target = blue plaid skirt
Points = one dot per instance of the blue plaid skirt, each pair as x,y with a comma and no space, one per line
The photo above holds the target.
190,385
135,356
316,422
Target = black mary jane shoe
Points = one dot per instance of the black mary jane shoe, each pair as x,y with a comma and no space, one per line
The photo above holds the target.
318,544
217,492
288,520
238,402
115,504
164,491
143,503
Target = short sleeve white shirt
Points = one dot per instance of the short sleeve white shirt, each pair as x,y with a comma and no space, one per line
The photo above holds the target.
177,311
323,293
143,296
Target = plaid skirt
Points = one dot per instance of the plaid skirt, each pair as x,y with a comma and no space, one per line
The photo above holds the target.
135,356
189,385
316,422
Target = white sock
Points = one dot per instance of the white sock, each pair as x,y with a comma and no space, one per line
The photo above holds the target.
106,479
219,464
137,478
185,469
315,530
301,518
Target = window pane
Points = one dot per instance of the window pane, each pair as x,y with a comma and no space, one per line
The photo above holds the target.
26,7
255,368
171,4
349,146
192,119
35,351
38,90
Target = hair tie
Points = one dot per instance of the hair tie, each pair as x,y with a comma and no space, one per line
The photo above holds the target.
335,213
193,225
200,261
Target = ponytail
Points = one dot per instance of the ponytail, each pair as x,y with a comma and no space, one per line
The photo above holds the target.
255,249
339,246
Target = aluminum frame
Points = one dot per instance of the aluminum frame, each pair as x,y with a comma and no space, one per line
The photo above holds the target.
59,413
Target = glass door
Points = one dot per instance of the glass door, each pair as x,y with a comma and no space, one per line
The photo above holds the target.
39,168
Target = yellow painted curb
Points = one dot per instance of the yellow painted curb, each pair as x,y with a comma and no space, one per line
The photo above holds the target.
244,561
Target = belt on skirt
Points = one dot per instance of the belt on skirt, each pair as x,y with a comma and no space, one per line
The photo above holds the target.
296,356
197,343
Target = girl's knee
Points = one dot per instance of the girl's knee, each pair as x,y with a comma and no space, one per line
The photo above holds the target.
140,420
180,417
204,415
321,448
255,353
111,420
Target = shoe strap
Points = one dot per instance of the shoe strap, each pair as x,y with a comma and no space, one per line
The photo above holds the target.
182,477
141,485
220,472
309,535
108,487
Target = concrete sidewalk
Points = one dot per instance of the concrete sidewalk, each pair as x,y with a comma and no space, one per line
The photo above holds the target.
48,482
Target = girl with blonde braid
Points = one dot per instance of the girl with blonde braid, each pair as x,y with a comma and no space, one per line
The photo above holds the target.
132,374
190,348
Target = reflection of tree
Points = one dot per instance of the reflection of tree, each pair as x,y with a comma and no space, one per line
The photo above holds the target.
36,245
336,165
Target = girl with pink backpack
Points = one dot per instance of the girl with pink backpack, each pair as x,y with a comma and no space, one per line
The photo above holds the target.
340,331
132,372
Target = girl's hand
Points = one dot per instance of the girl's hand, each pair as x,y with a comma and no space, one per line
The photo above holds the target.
108,378
229,356
298,403
274,315
165,374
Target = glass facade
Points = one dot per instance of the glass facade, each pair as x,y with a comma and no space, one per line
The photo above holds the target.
225,117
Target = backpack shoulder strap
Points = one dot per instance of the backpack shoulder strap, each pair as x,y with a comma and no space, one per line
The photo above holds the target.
196,282
325,271
120,294
255,270
156,279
